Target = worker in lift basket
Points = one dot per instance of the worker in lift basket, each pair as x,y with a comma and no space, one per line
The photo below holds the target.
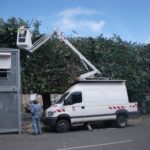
36,115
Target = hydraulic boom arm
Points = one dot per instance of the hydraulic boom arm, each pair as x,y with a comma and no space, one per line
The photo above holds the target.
85,62
24,41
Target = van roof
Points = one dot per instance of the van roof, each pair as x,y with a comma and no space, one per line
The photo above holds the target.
93,81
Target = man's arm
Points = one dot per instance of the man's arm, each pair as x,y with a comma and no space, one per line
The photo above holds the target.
32,109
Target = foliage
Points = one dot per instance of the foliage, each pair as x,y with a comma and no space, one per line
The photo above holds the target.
49,69
53,67
8,31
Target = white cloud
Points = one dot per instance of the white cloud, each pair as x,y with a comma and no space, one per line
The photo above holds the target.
148,40
69,13
80,19
95,26
69,24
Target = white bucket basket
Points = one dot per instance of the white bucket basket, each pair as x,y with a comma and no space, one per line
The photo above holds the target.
24,38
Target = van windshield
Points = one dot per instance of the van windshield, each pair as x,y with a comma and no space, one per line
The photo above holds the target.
62,98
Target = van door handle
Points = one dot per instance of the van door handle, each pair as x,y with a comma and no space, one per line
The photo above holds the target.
83,107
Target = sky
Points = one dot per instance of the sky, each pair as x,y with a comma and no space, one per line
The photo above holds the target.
130,19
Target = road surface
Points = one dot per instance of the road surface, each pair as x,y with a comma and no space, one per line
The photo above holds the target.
136,136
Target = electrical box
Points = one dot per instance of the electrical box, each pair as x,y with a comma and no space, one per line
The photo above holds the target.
10,90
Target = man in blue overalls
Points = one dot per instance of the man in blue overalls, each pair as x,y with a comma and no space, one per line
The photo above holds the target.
36,115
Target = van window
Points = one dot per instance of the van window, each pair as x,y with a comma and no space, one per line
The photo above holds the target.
75,97
63,97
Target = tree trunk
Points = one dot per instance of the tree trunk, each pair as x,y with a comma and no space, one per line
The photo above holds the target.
46,101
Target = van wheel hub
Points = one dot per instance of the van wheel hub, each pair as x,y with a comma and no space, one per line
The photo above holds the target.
121,121
62,126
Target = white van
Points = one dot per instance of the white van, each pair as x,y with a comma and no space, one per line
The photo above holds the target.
89,101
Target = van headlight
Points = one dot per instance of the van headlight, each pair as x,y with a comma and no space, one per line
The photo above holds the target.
50,113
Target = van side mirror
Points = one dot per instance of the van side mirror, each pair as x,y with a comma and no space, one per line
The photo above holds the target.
65,103
68,101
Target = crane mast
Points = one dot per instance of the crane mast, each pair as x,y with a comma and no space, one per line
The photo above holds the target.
24,41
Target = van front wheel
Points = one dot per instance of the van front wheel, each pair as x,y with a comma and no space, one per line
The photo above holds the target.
62,126
121,121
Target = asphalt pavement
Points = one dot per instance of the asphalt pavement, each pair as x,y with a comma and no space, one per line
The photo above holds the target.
136,136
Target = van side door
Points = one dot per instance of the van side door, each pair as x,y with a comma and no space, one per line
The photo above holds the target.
74,107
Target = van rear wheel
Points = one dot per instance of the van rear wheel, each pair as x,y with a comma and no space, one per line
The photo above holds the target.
121,121
62,126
